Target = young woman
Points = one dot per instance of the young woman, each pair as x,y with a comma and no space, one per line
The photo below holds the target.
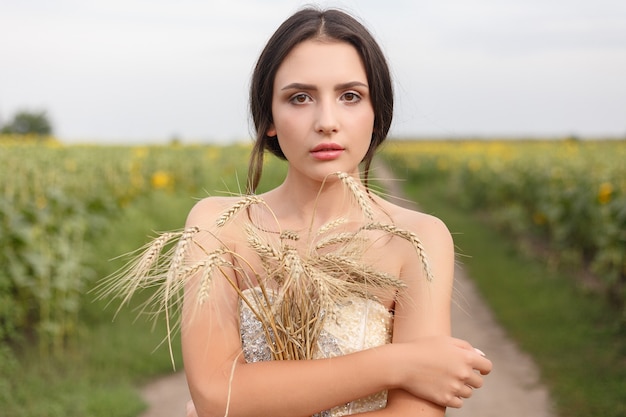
317,297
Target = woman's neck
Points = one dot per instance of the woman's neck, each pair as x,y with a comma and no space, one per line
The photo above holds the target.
300,203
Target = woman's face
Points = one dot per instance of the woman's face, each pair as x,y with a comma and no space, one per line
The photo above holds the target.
321,107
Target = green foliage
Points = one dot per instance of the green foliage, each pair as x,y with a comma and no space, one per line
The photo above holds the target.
96,375
122,194
35,123
66,211
573,335
564,201
55,200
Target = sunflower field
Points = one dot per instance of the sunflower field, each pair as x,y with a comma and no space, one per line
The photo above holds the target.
562,200
55,200
568,197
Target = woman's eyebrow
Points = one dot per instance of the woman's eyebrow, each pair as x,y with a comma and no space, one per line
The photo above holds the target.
350,84
311,87
299,86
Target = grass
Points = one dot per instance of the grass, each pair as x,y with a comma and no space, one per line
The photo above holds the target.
113,356
574,336
102,368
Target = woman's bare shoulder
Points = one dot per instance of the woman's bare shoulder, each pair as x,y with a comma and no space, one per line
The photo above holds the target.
207,211
435,239
419,223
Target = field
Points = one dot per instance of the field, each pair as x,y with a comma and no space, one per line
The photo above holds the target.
550,301
65,210
54,199
564,201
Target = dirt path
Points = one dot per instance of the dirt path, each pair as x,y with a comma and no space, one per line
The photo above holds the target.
166,397
513,389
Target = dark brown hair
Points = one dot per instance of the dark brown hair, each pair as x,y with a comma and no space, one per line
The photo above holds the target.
306,24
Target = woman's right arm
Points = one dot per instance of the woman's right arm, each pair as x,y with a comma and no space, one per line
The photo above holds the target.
293,388
217,374
220,380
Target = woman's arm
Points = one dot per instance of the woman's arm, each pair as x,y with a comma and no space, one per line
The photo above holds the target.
422,323
402,403
219,378
423,311
217,374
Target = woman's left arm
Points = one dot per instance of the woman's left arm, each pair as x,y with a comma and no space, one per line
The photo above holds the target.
422,327
422,310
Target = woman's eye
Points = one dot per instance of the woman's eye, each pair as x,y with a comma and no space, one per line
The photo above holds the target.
299,99
351,97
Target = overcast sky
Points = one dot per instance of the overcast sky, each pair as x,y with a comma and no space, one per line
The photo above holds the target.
149,70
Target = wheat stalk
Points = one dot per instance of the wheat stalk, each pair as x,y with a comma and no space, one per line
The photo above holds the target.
141,272
360,195
357,272
180,252
240,205
338,239
331,225
152,254
289,235
409,236
295,292
215,259
265,251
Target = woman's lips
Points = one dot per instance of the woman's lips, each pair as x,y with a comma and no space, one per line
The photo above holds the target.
327,151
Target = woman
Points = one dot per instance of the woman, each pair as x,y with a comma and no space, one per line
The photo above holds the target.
317,297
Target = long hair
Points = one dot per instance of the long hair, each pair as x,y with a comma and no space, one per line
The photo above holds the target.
306,24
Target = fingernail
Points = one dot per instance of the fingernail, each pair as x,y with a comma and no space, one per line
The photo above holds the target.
480,352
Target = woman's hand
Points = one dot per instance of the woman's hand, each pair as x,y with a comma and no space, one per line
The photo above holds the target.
443,370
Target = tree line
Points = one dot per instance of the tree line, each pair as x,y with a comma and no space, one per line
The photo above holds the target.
26,122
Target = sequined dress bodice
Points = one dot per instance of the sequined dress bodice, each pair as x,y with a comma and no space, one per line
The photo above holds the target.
356,325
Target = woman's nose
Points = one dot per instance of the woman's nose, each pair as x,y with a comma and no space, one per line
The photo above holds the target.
327,121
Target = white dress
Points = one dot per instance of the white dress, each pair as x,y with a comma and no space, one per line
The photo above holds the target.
356,325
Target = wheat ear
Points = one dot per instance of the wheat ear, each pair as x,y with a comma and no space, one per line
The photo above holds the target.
337,239
265,251
240,205
409,236
358,193
331,225
140,273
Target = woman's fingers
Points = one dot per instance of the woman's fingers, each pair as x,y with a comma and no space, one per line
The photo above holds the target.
453,368
455,402
480,363
466,391
475,381
483,365
464,344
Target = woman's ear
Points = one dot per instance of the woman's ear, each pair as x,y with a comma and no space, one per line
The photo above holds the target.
271,131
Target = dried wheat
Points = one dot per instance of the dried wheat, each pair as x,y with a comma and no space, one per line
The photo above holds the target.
409,236
358,193
240,205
